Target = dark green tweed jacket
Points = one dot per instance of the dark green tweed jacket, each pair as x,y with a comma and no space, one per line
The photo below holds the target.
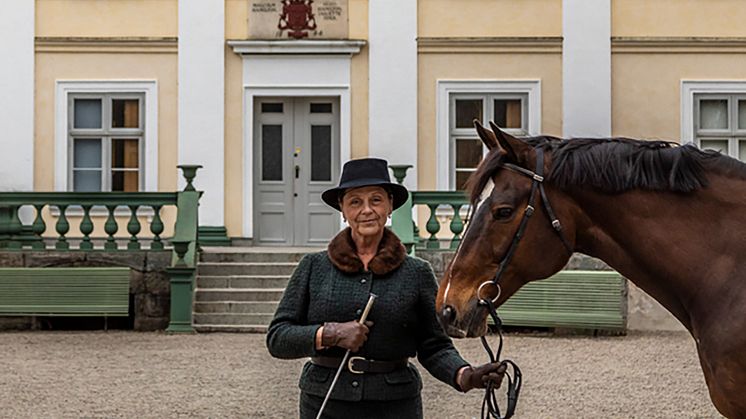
331,286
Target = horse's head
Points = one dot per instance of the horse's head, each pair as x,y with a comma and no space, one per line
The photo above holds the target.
500,193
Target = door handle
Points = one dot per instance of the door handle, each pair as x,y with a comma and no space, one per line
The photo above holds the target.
297,170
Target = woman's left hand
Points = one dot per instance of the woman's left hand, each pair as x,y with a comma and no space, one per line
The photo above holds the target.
478,377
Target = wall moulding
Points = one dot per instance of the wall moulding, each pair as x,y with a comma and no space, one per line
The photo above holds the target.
109,45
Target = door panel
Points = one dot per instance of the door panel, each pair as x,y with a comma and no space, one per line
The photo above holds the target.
273,135
289,177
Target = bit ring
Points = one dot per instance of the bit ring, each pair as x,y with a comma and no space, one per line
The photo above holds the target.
497,286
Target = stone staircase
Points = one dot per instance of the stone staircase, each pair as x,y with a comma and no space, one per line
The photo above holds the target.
238,288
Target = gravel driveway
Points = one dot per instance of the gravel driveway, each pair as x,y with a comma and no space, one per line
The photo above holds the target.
155,375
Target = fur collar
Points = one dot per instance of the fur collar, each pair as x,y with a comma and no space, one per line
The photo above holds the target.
343,254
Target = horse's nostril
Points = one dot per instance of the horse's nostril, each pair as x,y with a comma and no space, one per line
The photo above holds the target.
447,315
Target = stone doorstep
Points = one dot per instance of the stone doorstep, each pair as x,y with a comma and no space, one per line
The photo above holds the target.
237,307
230,328
247,257
230,294
250,268
242,281
232,319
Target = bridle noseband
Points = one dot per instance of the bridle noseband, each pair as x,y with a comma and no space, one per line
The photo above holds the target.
490,408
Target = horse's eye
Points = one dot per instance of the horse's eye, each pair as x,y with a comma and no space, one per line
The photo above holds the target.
503,213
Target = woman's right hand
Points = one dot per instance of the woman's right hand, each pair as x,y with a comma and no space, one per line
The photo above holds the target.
349,335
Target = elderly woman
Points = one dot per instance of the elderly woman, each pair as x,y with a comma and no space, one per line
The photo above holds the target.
319,312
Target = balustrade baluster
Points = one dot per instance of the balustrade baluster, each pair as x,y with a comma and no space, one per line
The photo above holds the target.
133,227
156,227
86,227
62,228
15,228
457,225
38,227
433,226
111,227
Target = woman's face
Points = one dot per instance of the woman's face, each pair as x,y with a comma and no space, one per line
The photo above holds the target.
366,209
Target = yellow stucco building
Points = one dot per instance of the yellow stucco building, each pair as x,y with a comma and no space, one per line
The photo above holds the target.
108,95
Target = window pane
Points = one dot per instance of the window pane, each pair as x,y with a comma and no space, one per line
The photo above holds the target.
125,153
87,180
461,178
87,113
321,152
713,114
467,111
125,113
468,153
271,107
742,114
321,108
122,181
508,113
271,152
717,145
742,150
87,153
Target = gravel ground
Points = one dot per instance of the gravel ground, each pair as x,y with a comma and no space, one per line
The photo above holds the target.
155,375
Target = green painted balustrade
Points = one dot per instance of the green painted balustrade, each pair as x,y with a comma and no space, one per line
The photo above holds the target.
105,207
451,202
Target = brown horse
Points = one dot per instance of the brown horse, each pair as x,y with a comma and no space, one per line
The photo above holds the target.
671,219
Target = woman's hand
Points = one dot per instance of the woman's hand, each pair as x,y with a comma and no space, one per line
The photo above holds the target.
478,377
348,335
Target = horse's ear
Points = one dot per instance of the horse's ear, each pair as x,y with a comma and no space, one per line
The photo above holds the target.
488,138
517,150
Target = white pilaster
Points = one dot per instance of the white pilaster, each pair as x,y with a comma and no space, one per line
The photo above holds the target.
586,68
393,83
17,106
201,101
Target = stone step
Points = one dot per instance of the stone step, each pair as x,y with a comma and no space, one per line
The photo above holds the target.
230,328
253,256
243,281
232,319
231,295
237,307
249,268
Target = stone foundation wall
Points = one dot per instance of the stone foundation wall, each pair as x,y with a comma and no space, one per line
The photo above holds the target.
149,284
643,312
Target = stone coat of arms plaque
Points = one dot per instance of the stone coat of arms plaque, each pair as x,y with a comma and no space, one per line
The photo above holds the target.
298,19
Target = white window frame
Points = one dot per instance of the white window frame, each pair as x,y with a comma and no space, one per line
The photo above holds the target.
149,147
692,88
448,89
106,134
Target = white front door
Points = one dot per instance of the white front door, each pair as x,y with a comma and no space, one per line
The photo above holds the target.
296,157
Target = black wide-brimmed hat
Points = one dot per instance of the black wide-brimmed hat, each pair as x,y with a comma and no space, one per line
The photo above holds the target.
365,172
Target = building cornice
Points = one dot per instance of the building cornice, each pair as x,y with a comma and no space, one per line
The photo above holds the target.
302,47
107,45
530,45
677,45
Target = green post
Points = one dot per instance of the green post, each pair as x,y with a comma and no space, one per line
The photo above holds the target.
401,219
184,256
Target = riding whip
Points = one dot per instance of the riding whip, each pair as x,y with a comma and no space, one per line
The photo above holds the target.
343,364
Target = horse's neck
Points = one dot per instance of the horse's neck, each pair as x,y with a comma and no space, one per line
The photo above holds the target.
665,244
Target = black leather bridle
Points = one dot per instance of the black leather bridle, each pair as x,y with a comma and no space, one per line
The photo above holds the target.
490,408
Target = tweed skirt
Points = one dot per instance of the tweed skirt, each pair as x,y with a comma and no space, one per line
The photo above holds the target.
366,409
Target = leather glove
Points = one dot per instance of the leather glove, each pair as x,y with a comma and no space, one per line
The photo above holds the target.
348,335
478,377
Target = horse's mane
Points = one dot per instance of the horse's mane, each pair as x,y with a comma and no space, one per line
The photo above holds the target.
615,165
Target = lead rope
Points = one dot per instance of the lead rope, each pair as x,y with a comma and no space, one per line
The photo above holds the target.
490,407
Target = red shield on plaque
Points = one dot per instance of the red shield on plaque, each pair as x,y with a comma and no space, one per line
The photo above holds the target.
297,18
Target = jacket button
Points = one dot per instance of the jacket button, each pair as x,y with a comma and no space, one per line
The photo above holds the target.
362,281
355,384
359,311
